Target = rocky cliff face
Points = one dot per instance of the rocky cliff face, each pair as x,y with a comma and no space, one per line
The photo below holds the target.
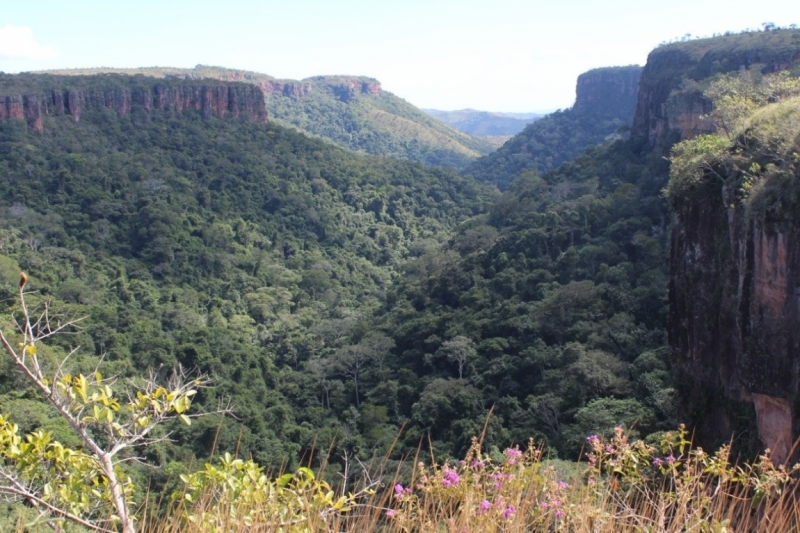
735,321
609,90
239,101
670,103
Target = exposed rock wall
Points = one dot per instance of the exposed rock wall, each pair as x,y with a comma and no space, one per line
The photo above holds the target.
735,321
610,91
670,102
234,101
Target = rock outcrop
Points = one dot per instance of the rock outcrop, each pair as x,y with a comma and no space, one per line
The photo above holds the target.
735,322
671,106
610,91
240,101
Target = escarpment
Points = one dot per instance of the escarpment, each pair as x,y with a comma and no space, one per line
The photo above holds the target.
671,106
734,292
610,91
239,101
735,321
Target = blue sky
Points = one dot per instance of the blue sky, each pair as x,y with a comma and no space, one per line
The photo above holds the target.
503,55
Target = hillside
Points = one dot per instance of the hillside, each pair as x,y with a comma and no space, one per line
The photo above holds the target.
339,298
604,106
243,248
553,306
350,111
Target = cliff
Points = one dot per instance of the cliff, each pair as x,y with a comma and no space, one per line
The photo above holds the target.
734,292
66,97
608,91
352,112
670,105
605,100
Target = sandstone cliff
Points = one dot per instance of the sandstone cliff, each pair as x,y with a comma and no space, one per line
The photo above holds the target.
608,91
670,104
734,293
239,101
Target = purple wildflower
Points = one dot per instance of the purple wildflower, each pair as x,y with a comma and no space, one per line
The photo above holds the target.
450,479
513,454
509,511
390,513
484,506
400,491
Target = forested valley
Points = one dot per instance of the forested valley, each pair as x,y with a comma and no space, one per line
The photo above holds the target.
356,309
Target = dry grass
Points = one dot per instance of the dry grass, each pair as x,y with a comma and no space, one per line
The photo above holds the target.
622,487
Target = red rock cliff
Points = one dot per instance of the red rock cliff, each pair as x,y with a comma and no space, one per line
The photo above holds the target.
244,102
735,321
670,104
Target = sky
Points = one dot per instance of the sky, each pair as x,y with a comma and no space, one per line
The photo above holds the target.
498,55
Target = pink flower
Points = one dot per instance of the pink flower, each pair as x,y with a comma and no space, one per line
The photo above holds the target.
563,484
484,506
560,514
509,511
512,454
400,491
450,479
390,513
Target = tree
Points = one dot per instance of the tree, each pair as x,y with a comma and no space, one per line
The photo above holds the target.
459,350
84,485
352,359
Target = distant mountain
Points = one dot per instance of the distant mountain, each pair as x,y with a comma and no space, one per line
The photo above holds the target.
352,112
485,123
605,102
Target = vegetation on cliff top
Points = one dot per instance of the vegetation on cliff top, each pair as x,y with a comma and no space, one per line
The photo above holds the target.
753,157
328,107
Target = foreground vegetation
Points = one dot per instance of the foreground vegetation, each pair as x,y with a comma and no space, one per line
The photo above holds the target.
622,485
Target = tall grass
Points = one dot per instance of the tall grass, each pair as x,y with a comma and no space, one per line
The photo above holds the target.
621,486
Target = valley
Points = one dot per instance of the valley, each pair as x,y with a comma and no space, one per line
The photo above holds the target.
365,282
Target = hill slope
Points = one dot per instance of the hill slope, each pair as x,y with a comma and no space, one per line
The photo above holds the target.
605,102
246,249
350,111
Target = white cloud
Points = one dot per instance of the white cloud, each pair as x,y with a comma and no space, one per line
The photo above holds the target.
17,42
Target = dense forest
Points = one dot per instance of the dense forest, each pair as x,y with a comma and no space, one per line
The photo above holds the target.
337,298
356,306
247,250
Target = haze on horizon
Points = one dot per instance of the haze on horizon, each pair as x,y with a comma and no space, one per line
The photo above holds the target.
507,56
